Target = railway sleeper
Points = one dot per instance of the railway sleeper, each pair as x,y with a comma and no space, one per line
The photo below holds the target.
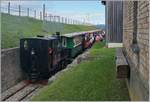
13,90
23,93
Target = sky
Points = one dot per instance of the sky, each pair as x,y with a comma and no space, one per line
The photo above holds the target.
88,11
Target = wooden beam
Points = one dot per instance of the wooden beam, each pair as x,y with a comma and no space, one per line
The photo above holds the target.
122,66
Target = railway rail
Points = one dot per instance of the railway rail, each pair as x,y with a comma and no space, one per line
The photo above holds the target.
23,91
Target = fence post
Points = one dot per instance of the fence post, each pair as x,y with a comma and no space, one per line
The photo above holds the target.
62,20
46,16
50,17
9,8
19,10
34,13
40,15
71,20
58,19
65,20
54,18
28,12
68,21
43,11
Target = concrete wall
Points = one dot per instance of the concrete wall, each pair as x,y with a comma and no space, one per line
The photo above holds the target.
11,73
136,26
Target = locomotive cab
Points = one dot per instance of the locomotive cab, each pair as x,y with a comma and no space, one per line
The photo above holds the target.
40,57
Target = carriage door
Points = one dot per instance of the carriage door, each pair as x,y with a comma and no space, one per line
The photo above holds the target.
58,51
55,52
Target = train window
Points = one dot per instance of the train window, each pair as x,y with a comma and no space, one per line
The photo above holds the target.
91,35
64,42
85,37
58,44
53,44
49,44
77,41
25,45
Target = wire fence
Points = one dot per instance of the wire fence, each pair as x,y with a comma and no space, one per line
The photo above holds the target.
40,15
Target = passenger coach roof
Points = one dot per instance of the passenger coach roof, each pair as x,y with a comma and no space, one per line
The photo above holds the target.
78,33
73,34
43,38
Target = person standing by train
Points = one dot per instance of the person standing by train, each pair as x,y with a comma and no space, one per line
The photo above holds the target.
91,40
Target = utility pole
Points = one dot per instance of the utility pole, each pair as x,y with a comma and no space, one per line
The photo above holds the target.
58,19
62,19
34,13
9,8
50,17
43,12
28,12
19,10
40,15
66,20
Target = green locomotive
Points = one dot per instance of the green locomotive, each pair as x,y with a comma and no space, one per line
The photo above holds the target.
43,56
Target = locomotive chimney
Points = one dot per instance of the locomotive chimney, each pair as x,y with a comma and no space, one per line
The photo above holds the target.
58,33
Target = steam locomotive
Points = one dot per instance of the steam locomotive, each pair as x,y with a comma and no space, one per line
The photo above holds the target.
43,56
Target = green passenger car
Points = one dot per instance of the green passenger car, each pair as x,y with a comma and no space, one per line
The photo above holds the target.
74,43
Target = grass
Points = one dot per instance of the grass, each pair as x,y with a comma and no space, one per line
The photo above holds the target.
14,27
93,80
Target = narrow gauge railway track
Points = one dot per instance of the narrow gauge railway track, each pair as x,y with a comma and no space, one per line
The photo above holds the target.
20,92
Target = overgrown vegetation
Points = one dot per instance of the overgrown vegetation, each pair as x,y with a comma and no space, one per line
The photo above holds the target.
93,80
14,27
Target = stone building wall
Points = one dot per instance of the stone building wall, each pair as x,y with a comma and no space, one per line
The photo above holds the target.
136,47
